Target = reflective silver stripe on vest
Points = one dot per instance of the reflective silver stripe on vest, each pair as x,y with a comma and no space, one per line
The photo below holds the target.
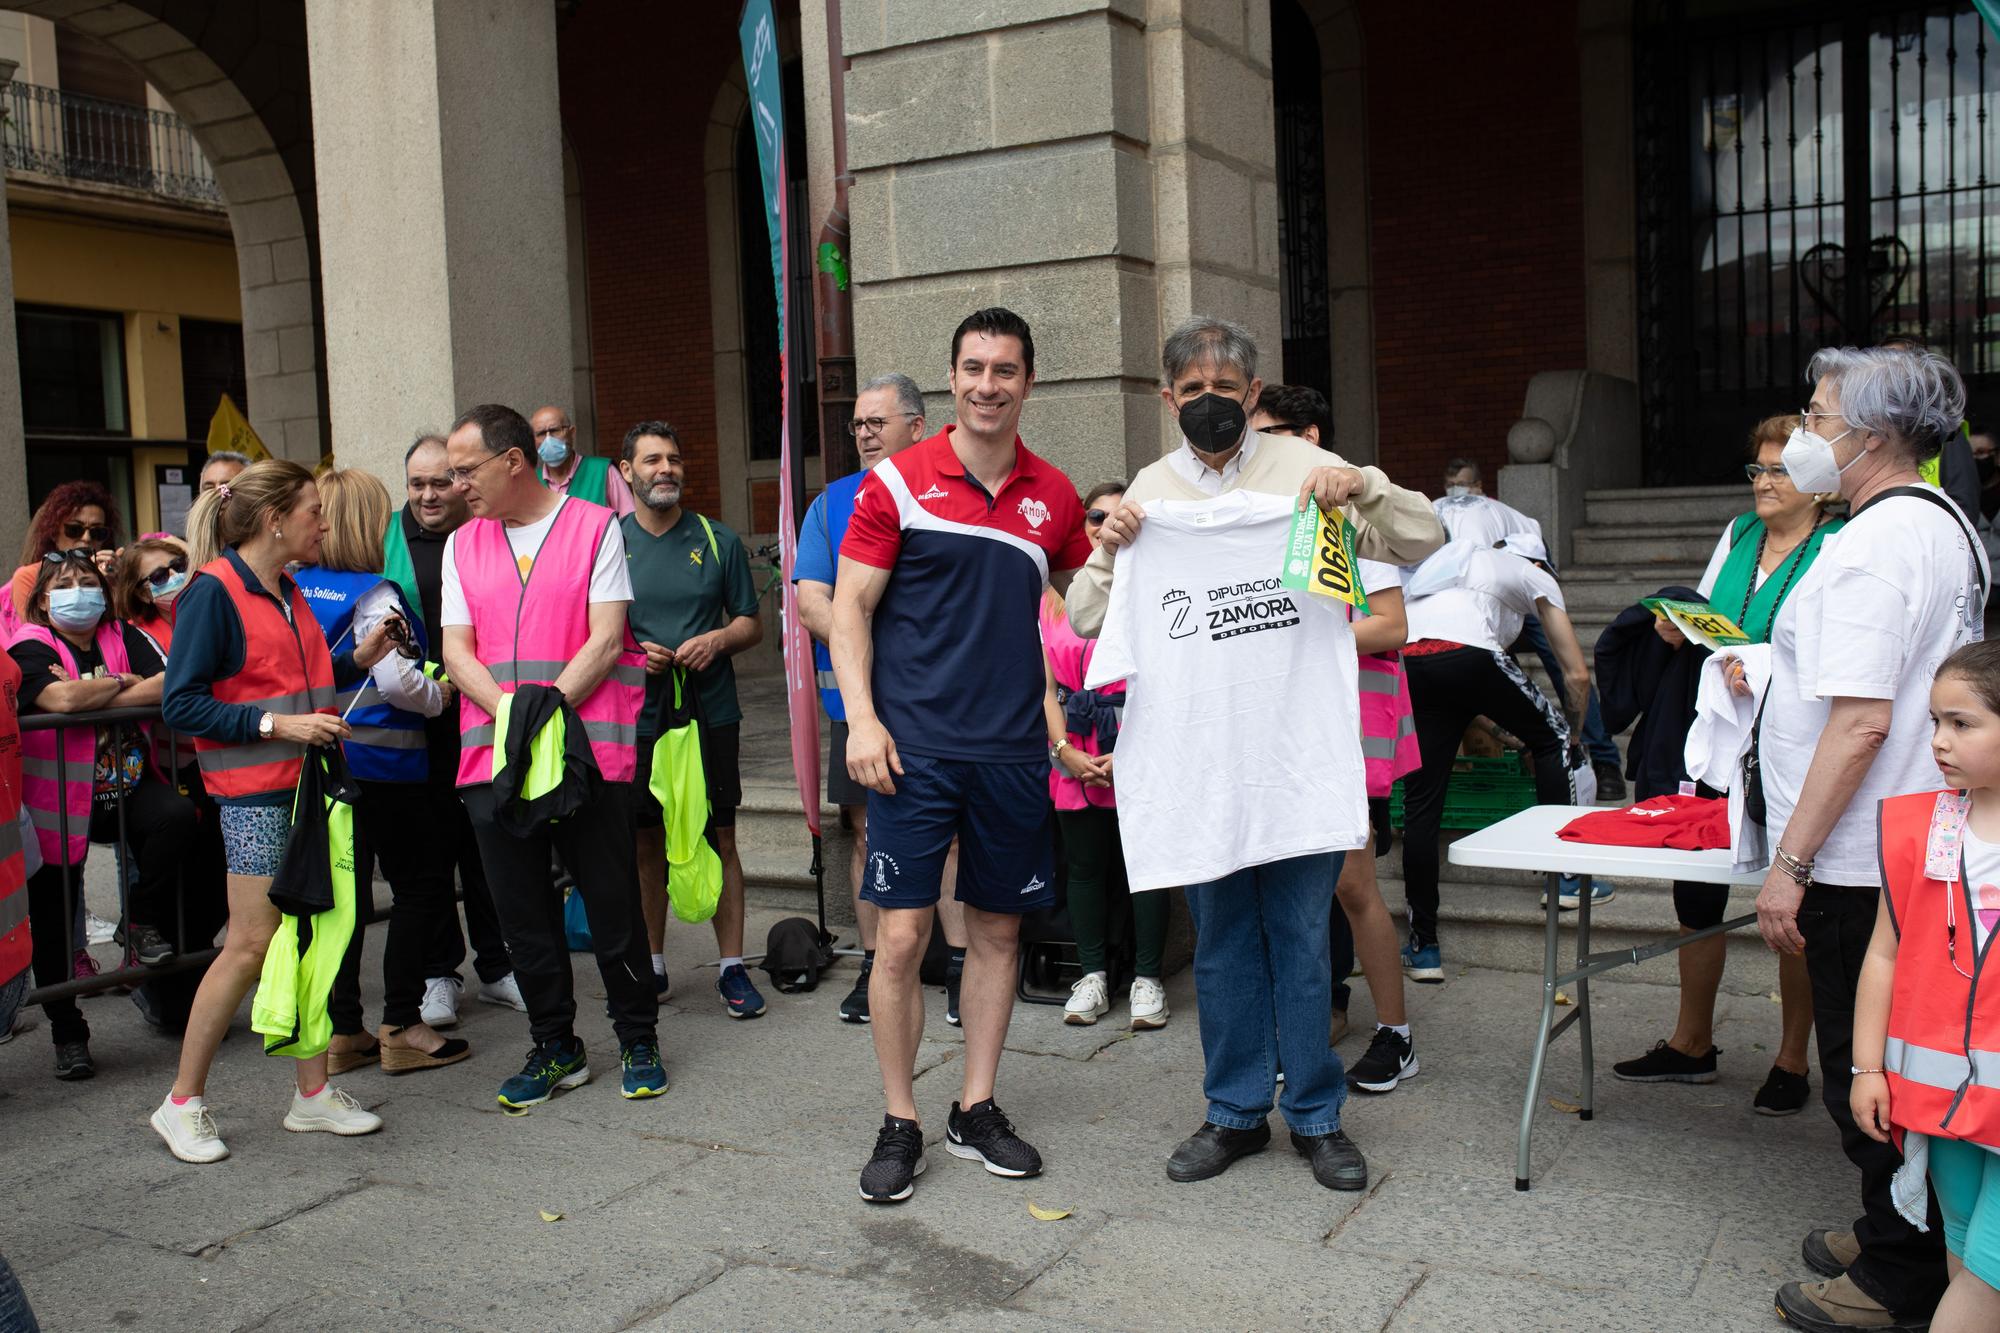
250,756
52,820
603,733
384,738
10,840
1378,682
13,908
46,768
473,737
305,701
1946,1070
368,697
536,672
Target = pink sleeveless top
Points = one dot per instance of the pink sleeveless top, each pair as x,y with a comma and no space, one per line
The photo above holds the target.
1069,655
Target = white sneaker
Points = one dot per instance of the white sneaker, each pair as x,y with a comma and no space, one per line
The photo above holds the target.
333,1111
189,1130
440,1006
506,991
1088,1000
1149,1004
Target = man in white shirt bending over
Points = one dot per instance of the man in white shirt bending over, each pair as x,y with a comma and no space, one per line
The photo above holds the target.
1261,931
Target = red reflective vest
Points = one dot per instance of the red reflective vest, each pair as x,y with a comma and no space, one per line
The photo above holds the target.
48,786
171,750
286,669
528,640
16,949
1943,1052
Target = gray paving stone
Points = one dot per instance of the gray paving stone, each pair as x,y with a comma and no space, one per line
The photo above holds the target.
757,1296
1142,1274
1446,1302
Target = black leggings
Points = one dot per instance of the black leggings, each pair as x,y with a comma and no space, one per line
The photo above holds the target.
1447,691
409,828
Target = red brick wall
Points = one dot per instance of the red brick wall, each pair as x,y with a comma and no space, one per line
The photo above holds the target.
639,82
1475,161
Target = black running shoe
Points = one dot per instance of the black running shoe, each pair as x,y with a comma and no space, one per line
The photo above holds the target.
891,1174
73,1061
1664,1064
1783,1093
1391,1058
981,1133
146,944
951,982
854,1009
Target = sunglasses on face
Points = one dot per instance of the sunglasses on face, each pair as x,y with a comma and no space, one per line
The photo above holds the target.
96,532
1096,515
79,554
159,577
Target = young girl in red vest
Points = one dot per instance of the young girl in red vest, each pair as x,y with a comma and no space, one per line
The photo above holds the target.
1927,1014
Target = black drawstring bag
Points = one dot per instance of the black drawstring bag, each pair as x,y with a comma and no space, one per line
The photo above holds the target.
304,883
795,953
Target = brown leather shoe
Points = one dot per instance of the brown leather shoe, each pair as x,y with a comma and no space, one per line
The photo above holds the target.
1829,1252
1838,1306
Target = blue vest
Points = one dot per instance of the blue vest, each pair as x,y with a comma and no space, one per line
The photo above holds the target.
840,497
387,742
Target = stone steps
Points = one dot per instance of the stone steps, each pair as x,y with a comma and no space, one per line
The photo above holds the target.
1644,547
1712,506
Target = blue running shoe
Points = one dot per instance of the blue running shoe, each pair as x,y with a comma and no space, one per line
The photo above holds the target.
552,1067
1571,893
660,985
1423,963
736,990
645,1074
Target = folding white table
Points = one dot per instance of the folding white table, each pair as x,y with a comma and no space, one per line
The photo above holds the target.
1528,841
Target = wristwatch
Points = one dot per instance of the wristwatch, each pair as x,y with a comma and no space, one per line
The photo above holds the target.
1055,750
264,725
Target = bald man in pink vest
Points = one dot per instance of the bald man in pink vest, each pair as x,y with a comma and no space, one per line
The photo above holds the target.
534,592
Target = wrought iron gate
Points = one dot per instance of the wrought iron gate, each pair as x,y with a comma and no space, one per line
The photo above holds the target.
1807,177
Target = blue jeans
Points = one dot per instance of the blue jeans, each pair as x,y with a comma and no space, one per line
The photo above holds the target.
15,1316
1265,988
1596,742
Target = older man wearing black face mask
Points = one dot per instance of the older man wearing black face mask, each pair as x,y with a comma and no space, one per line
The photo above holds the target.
1261,965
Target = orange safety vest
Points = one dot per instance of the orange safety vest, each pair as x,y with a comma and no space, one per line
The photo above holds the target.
286,669
16,948
1943,1052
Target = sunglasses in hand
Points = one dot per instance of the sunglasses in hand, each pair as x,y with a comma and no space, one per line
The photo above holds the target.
398,631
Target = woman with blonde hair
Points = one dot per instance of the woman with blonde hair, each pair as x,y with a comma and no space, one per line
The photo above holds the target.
250,678
400,812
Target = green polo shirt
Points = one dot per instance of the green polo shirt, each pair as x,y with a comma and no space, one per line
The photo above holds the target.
679,590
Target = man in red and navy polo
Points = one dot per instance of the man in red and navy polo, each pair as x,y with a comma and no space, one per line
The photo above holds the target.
943,566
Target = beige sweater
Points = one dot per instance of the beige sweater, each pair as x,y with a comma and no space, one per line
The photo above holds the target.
1391,524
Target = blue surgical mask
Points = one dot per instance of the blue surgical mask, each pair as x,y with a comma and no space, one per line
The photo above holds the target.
166,592
1458,493
552,451
76,609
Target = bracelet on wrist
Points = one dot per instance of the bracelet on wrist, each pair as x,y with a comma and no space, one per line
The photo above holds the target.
1800,870
1855,1071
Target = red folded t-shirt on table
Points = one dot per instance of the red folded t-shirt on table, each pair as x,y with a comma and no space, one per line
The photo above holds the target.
1686,823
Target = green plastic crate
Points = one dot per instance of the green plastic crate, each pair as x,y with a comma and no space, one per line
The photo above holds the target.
1481,792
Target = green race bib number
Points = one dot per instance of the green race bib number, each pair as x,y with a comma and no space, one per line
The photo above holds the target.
1699,621
1319,557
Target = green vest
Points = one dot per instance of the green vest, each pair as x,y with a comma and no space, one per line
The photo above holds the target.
396,564
1754,612
589,481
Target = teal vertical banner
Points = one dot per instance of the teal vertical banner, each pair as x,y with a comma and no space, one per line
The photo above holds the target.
759,35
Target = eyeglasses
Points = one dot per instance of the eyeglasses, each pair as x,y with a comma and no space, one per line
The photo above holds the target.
873,425
1280,428
1809,414
158,578
96,532
552,430
1756,470
77,553
462,476
1096,515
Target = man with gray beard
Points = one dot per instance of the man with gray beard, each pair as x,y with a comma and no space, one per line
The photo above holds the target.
693,608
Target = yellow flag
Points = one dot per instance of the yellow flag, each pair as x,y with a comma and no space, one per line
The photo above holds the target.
229,432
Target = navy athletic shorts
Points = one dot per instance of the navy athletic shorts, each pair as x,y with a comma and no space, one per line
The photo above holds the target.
998,812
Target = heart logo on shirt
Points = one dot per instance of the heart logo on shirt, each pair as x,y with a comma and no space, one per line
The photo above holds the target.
1035,512
1987,907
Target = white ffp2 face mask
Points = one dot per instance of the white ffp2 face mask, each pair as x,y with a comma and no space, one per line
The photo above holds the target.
1810,461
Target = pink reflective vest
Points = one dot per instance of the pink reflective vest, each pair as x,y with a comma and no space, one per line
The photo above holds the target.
1388,726
525,639
41,790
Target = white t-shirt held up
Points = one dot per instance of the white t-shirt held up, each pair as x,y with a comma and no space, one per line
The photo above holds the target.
1242,736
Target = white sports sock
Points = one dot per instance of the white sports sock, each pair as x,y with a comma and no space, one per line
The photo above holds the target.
735,960
1400,1029
659,965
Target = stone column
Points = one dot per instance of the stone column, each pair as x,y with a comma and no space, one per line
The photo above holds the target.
13,437
1104,167
438,152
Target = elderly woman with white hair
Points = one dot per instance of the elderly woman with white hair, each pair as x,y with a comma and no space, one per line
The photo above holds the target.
1845,722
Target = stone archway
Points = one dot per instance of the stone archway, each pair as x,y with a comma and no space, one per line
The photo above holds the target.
240,83
725,299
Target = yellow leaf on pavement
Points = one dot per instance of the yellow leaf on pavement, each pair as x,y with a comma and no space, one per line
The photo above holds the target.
548,1216
1041,1214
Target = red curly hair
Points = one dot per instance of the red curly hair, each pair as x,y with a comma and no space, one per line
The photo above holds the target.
45,529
